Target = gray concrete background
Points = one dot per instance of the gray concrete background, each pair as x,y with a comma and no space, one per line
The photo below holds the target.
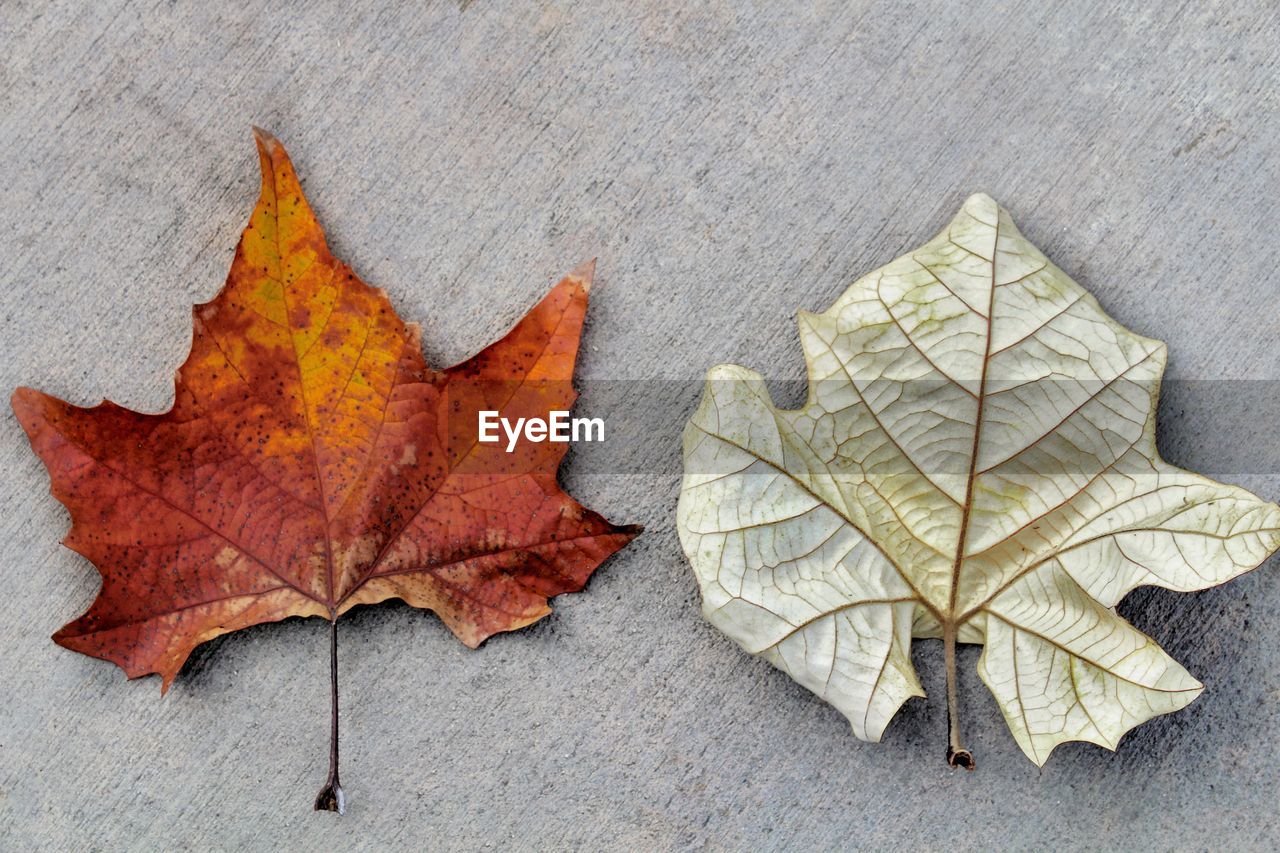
729,163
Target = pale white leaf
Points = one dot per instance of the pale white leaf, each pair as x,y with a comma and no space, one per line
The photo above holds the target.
975,462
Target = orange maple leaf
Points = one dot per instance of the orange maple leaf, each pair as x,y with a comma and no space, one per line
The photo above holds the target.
313,461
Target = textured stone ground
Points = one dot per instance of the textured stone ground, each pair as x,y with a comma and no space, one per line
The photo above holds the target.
729,163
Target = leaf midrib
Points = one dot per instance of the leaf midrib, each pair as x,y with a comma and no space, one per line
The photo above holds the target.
966,508
302,387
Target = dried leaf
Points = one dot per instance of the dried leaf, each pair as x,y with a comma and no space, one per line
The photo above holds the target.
313,461
975,462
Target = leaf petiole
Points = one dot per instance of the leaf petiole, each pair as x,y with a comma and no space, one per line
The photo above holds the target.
957,755
331,797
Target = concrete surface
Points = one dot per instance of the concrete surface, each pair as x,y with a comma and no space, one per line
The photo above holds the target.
729,163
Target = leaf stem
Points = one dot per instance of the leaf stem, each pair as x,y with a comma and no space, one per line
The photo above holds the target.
331,797
957,755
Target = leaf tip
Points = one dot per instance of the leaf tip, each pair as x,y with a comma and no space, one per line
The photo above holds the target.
981,207
585,273
23,399
727,378
267,143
